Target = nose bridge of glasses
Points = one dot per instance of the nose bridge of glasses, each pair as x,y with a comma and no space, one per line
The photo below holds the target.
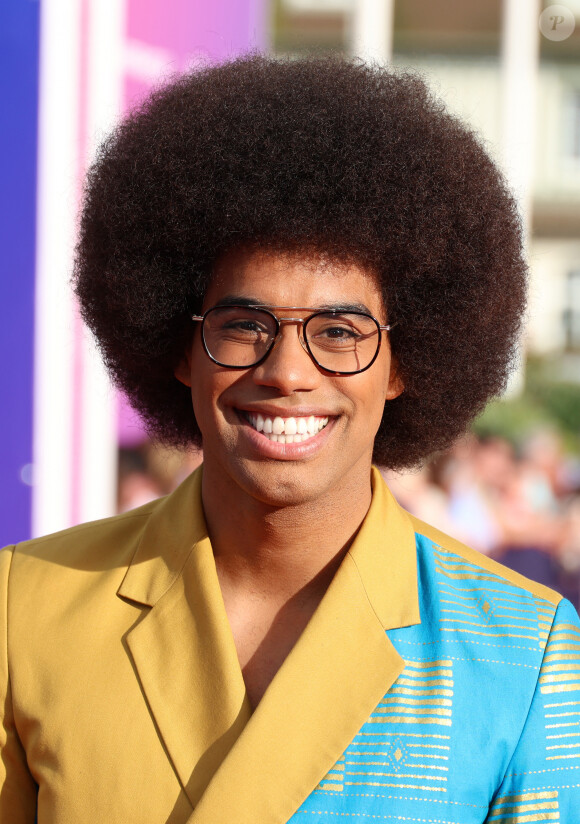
298,323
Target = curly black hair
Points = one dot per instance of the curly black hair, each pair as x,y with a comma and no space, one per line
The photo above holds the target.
321,154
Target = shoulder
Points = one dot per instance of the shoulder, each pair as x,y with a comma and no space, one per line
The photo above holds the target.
110,541
455,558
53,569
155,538
478,609
483,617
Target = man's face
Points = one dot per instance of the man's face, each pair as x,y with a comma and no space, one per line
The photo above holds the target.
338,415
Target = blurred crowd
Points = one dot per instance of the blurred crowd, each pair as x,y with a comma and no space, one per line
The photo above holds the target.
147,471
521,507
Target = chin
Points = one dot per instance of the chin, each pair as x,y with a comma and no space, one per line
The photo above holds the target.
280,488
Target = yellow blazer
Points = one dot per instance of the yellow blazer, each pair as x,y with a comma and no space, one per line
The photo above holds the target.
123,698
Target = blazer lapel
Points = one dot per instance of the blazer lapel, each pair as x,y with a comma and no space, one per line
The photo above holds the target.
182,648
333,679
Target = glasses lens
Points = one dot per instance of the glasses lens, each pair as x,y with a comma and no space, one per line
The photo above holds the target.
342,342
238,336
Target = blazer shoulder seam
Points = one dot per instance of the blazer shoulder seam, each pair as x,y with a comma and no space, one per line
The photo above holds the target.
472,556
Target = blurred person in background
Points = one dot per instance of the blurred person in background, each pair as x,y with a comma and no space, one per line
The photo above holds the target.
136,483
519,507
465,475
304,266
569,551
150,470
527,511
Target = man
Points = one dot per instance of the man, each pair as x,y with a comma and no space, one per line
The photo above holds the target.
304,266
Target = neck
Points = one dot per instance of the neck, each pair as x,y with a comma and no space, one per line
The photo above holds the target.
280,551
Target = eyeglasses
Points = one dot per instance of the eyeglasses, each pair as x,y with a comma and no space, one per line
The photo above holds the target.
239,337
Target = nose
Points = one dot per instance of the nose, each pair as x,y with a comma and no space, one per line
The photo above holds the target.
288,367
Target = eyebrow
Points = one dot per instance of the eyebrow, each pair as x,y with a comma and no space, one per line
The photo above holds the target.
238,300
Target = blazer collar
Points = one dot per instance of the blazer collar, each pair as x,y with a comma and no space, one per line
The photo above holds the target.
383,551
234,765
182,647
385,554
176,525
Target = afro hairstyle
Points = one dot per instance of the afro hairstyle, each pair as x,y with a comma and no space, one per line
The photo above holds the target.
330,155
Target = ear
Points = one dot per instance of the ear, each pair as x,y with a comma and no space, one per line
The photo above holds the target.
183,369
395,385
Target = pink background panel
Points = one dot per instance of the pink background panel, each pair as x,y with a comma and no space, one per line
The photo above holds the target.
217,29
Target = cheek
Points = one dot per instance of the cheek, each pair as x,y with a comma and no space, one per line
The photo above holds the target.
202,392
367,394
378,380
210,386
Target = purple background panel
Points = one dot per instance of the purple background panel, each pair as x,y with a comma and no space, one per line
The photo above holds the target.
19,39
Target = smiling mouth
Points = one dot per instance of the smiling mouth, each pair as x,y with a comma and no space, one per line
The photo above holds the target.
286,430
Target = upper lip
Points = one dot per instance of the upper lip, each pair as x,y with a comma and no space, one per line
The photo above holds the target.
271,411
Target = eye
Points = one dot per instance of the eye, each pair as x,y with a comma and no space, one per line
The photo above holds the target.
244,325
235,323
337,331
336,327
341,332
243,330
334,335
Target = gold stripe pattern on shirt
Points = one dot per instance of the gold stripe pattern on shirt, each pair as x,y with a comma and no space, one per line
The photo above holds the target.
560,671
421,683
403,745
333,781
526,807
559,682
487,611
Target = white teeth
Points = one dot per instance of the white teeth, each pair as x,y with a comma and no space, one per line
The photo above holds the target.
290,426
287,430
